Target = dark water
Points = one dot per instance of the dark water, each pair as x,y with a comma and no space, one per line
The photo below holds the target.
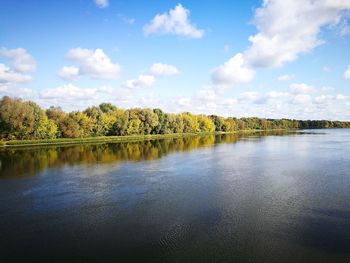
255,198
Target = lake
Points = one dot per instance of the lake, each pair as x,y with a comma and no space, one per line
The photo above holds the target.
261,197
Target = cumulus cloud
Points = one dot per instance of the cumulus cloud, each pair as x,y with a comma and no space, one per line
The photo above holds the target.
258,98
19,59
160,69
347,73
10,89
143,81
286,29
184,101
285,77
69,92
10,76
276,94
206,94
301,99
233,71
207,100
102,3
301,88
68,73
175,22
327,99
91,62
271,104
21,63
298,101
341,97
251,96
71,97
148,80
322,99
327,89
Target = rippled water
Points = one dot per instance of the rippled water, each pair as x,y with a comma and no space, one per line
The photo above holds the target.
252,198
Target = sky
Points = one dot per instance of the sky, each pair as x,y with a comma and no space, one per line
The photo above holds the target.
270,59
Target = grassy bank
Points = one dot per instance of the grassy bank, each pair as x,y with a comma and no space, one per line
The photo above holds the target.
107,139
102,139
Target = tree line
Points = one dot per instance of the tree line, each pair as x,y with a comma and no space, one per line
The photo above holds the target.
25,120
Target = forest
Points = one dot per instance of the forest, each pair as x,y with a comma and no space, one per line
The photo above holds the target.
26,120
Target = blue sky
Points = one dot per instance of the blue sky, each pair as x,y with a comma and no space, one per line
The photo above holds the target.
273,58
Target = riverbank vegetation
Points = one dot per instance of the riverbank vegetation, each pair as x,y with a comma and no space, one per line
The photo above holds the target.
26,121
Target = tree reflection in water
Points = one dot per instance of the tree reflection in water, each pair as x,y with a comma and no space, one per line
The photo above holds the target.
22,162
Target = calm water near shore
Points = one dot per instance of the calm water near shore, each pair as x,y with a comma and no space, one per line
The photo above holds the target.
262,197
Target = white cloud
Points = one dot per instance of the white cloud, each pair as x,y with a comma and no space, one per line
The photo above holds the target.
288,28
272,104
93,63
11,89
183,101
68,73
285,77
148,101
102,3
9,76
301,88
321,99
257,98
229,102
21,63
301,99
340,97
19,59
72,98
327,89
347,73
148,80
174,22
328,99
251,96
143,81
206,94
232,72
276,94
160,69
69,92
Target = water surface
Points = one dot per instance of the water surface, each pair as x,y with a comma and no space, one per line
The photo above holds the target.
282,197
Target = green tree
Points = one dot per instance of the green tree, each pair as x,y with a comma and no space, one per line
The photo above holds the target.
205,124
148,120
120,125
190,123
175,123
107,107
162,126
218,122
18,119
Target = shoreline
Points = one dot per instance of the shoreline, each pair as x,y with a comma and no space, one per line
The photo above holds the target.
121,138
